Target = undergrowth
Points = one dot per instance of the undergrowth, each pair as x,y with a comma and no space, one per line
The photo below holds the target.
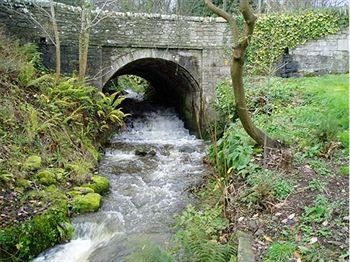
50,136
198,233
310,117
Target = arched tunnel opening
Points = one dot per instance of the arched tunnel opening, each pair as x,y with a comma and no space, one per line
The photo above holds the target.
170,85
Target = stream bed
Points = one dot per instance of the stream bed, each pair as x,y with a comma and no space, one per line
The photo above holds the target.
151,167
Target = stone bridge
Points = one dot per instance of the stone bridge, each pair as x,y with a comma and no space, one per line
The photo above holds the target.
181,57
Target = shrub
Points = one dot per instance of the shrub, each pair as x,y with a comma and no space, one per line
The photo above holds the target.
274,32
197,233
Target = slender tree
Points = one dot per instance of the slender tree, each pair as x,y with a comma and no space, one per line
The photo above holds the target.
57,41
31,11
84,37
88,21
240,43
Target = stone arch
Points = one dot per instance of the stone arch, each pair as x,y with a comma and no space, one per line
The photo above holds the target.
173,75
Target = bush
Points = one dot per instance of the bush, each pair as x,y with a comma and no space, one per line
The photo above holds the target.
274,32
28,240
56,127
198,235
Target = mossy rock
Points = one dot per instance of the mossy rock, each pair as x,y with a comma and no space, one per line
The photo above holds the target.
51,194
99,184
89,203
25,242
24,183
78,191
60,173
32,163
46,177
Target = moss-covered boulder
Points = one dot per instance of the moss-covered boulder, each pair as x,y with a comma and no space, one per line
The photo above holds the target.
50,194
79,190
24,183
99,184
32,163
46,177
87,203
25,242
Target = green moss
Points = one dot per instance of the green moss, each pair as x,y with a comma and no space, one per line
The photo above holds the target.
46,177
99,184
344,170
51,194
24,242
24,183
274,32
88,203
32,163
77,191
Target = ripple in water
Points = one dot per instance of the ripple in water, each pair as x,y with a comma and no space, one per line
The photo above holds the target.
146,192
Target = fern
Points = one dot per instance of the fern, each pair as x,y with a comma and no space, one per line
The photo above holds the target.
197,235
147,251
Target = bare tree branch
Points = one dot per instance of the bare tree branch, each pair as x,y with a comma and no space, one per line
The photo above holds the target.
228,17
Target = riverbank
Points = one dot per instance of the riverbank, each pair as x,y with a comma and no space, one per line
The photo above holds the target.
293,201
51,134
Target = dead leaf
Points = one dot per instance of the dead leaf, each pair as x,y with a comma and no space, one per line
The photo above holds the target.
267,238
313,240
298,237
291,216
297,256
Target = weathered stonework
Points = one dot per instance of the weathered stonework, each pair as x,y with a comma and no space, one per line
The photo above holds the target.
327,55
182,56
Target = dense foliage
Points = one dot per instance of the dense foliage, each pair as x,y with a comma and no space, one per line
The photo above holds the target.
310,116
275,32
50,135
197,233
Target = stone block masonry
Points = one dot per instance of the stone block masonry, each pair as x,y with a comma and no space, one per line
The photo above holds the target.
182,57
326,55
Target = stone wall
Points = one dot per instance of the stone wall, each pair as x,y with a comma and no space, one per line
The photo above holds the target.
195,44
327,55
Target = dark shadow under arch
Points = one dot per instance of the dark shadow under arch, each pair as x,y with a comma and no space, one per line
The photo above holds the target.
174,86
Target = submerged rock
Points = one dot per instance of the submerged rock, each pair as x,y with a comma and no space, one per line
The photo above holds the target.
32,163
87,203
145,152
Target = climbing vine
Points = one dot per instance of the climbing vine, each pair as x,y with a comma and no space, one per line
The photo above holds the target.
274,32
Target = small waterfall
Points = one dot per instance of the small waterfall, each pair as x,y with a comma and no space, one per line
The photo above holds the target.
147,190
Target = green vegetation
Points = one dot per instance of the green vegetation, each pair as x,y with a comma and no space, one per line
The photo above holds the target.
197,233
18,243
133,82
275,32
50,136
293,110
280,252
310,117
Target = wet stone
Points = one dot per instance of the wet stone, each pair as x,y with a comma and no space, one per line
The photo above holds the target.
151,168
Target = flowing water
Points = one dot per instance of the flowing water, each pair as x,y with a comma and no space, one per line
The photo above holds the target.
146,191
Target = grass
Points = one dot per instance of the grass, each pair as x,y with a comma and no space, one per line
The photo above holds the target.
44,126
310,115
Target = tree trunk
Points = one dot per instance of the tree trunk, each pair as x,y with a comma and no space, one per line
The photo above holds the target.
242,110
241,42
84,39
57,42
224,5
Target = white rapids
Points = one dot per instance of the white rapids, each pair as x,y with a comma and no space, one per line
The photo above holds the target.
146,191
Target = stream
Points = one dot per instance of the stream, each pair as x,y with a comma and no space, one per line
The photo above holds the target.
146,192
